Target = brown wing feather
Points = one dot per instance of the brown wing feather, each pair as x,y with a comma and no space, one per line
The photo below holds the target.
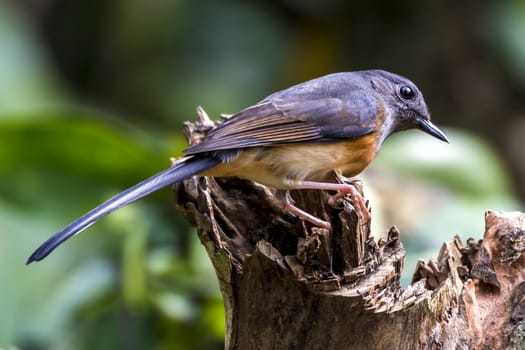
275,122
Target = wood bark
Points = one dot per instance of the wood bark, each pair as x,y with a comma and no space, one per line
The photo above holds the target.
288,285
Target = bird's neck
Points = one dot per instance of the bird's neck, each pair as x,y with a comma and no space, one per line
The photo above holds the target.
385,124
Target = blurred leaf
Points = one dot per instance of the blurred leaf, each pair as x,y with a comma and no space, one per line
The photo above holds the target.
133,271
175,306
467,165
214,317
52,156
506,30
71,160
27,83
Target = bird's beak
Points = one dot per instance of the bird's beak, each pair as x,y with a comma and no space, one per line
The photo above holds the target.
427,126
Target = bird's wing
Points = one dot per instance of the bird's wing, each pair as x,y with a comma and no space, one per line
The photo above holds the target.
278,122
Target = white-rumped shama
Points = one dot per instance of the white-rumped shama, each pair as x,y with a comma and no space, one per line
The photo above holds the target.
293,139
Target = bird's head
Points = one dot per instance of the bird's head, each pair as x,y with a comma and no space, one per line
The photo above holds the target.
404,104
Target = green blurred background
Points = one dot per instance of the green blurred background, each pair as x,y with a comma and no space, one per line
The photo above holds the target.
92,98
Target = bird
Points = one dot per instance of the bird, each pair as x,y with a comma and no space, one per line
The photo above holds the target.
293,139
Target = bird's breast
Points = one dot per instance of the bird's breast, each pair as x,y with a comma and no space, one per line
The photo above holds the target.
275,166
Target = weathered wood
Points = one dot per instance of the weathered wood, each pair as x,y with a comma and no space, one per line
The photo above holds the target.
288,285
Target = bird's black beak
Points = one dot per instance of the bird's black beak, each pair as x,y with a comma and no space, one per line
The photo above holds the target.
427,126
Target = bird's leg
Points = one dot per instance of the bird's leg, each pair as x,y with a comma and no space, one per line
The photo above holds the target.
342,190
285,202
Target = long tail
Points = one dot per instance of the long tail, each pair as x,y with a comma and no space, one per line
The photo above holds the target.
165,178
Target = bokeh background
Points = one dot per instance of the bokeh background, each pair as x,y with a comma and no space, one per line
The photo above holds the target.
92,98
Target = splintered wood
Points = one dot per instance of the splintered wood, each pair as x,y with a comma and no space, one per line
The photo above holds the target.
288,285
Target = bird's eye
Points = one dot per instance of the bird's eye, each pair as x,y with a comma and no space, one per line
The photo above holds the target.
406,92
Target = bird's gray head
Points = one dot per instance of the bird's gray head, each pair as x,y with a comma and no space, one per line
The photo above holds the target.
407,107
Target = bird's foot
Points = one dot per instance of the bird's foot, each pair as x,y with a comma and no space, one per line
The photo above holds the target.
356,198
285,203
342,190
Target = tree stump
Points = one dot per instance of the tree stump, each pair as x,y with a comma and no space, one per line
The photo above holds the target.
288,285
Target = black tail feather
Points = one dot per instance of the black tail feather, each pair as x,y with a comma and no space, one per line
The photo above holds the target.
165,178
